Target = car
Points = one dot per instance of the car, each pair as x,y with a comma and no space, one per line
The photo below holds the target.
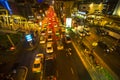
60,45
101,31
63,29
40,55
55,26
49,38
86,29
82,34
67,39
42,40
104,46
50,69
57,33
47,57
117,49
49,47
87,33
49,31
37,65
43,32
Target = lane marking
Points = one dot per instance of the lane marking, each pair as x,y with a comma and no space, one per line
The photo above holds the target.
72,70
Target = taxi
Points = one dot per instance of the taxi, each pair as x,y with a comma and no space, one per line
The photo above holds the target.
37,65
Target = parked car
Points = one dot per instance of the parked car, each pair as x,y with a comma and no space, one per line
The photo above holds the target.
105,47
101,32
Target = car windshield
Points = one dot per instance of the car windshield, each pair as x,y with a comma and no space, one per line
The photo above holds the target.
68,38
49,36
41,38
37,65
49,48
42,31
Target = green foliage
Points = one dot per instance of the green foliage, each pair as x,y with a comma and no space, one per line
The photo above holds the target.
5,43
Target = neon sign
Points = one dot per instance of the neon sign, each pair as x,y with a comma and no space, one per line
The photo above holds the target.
6,5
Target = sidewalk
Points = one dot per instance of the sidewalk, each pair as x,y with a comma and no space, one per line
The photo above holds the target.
97,73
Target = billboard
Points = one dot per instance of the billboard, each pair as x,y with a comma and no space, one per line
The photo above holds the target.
28,37
68,22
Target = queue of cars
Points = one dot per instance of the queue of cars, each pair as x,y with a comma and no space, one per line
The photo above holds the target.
47,38
50,39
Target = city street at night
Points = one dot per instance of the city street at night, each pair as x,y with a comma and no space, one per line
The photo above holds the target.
59,40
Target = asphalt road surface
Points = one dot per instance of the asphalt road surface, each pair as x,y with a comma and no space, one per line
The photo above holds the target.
70,67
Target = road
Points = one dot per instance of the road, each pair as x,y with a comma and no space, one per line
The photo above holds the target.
65,65
70,67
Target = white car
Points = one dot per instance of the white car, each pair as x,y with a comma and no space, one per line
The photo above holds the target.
49,47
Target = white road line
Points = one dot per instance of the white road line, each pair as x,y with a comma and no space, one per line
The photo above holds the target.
72,70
